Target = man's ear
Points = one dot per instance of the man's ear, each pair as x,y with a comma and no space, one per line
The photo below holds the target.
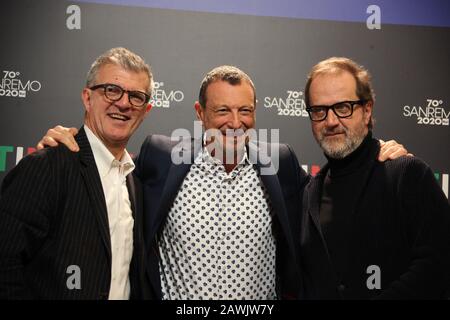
199,111
147,109
368,107
86,98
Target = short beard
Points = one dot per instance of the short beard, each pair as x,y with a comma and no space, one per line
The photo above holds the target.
352,141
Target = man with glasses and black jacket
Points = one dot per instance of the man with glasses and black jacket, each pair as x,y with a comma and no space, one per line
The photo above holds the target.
71,223
370,229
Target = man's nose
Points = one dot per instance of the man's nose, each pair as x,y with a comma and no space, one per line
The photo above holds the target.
235,121
332,119
124,101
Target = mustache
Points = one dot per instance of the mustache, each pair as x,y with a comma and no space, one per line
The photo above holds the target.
327,131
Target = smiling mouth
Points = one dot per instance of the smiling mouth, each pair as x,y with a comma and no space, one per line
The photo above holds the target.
118,116
233,133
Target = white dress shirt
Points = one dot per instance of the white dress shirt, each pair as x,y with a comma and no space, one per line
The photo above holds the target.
113,177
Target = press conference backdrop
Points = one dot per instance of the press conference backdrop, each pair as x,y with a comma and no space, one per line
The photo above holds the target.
47,47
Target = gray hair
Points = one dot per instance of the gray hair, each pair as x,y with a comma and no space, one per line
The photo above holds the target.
124,58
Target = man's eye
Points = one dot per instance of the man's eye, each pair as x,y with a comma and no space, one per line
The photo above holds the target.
341,107
113,90
137,96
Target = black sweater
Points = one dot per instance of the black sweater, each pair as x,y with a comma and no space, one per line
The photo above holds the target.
390,215
338,201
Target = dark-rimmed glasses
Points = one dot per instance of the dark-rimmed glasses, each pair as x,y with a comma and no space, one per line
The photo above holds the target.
114,93
343,109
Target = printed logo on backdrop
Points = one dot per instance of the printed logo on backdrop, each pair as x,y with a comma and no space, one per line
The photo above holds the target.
12,155
163,97
291,105
432,112
13,84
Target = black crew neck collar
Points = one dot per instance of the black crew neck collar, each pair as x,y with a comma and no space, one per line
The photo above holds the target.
355,160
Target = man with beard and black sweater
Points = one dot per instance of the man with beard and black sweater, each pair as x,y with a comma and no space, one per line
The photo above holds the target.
370,229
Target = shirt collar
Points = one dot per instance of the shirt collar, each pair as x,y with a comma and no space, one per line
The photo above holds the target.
104,159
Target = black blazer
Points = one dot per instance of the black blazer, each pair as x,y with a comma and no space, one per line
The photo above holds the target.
401,224
52,216
162,178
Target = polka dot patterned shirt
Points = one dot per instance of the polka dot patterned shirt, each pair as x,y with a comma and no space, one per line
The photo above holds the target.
217,242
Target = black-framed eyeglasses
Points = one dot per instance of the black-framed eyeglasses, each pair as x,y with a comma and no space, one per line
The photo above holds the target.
114,93
343,109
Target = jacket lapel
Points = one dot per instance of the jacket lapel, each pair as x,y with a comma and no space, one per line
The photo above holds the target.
274,190
93,183
314,195
132,193
312,205
175,177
